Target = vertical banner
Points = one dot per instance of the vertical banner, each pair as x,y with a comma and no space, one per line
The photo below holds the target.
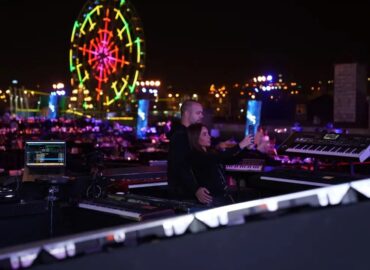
142,118
53,106
253,116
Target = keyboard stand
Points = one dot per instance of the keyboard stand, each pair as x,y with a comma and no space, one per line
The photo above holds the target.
53,190
51,198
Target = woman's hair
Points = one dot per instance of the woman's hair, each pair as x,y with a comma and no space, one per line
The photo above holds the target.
194,131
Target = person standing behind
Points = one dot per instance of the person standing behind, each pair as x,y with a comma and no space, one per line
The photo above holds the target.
207,164
181,181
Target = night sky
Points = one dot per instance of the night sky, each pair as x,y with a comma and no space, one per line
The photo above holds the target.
191,44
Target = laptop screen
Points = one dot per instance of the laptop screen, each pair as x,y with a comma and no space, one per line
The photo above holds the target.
45,154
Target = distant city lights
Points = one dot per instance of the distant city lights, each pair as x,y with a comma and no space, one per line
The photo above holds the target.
280,130
263,78
149,83
149,87
58,86
58,93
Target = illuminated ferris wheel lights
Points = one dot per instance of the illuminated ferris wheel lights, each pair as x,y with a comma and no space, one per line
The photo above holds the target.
106,49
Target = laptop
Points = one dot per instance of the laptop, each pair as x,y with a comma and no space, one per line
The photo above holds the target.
44,160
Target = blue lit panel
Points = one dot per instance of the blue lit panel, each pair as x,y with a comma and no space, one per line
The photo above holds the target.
142,118
253,116
53,106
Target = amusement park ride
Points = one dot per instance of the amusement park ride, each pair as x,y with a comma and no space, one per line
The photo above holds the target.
106,57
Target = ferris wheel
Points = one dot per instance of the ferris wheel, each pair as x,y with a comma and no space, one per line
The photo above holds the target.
106,55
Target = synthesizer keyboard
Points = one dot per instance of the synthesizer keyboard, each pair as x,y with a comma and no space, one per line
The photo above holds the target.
307,178
140,183
176,205
243,168
124,179
138,172
247,165
129,210
328,145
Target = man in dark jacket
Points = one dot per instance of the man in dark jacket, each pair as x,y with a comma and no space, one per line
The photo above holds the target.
181,181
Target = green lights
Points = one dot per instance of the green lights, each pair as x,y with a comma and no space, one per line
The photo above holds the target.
138,55
71,66
75,26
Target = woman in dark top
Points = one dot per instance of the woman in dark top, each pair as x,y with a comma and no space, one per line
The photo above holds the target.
207,164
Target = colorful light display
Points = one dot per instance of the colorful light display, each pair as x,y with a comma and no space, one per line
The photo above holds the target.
253,116
142,119
106,55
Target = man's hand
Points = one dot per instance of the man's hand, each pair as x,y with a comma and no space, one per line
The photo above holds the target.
203,196
226,144
246,142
